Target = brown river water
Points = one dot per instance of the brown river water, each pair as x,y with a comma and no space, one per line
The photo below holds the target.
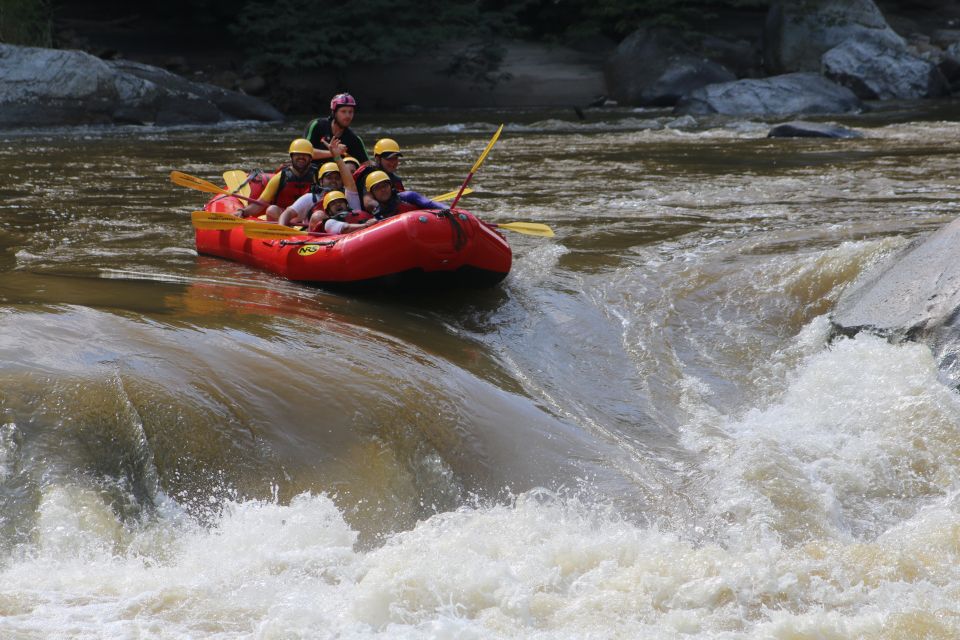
643,432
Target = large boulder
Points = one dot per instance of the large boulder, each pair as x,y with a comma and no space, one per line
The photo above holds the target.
799,32
876,71
652,67
41,87
786,95
914,295
680,76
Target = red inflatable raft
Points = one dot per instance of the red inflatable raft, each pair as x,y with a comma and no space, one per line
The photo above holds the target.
452,248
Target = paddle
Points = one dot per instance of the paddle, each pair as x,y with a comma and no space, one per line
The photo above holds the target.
446,196
476,166
271,231
236,180
216,221
527,228
252,228
192,182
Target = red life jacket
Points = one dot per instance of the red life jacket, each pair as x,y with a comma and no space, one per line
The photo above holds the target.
292,186
258,182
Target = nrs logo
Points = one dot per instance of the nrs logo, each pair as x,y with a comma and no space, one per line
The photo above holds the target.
308,249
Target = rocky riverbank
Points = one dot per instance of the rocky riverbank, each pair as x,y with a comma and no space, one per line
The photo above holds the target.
815,57
51,87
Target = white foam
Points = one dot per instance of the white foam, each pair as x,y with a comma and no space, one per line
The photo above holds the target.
542,567
857,442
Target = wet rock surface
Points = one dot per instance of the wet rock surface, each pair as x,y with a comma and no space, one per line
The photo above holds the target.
914,295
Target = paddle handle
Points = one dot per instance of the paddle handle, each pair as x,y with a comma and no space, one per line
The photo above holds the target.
460,193
253,200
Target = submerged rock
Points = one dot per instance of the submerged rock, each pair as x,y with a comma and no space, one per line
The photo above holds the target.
48,87
801,129
914,295
786,95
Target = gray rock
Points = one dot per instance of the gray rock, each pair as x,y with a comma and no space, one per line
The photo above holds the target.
786,95
799,32
651,67
48,87
879,72
742,57
944,38
801,129
914,295
681,76
231,104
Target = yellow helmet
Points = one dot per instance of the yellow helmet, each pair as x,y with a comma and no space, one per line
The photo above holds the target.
376,178
331,196
301,145
386,145
327,167
351,159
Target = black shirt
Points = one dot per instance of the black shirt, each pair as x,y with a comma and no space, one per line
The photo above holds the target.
320,131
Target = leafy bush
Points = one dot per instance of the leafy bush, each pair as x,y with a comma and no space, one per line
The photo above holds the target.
375,31
26,22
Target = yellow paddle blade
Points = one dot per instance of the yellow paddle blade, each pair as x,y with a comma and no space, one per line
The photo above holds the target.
450,195
215,221
213,225
235,178
528,228
487,150
193,182
270,231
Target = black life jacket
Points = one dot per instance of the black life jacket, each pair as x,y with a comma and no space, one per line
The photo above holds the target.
353,217
393,206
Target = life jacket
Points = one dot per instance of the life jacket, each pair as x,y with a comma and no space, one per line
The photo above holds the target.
318,192
353,217
292,186
394,206
258,182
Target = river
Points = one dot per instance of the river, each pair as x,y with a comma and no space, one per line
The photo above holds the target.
643,432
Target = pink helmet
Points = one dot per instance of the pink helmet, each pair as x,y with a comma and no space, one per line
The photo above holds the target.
342,100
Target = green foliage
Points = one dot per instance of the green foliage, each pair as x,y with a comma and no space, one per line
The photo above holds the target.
578,19
325,35
26,22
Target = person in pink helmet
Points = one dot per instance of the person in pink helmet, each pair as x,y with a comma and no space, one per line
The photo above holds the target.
322,130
